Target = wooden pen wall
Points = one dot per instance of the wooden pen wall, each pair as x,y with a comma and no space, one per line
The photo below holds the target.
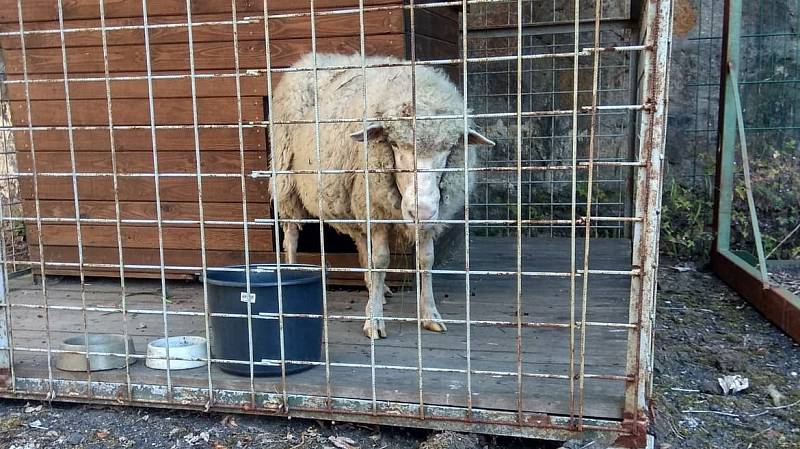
387,32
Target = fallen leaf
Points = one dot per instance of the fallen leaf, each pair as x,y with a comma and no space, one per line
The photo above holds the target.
343,442
229,421
218,445
776,396
102,434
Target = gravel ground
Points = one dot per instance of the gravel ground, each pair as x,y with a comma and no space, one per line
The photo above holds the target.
788,278
704,331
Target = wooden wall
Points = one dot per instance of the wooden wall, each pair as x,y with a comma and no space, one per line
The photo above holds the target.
387,32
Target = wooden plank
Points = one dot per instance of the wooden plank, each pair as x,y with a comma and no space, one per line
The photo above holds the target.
184,257
211,139
215,190
139,210
492,348
192,258
173,111
208,55
47,10
339,25
146,236
251,86
227,162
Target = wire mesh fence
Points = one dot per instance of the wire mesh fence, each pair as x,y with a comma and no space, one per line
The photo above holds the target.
756,242
170,140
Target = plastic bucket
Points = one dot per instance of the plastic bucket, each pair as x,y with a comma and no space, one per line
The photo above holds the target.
302,294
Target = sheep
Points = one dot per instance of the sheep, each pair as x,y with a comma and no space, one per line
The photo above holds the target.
390,146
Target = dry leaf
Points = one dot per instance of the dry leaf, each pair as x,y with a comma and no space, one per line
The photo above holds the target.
218,445
777,396
343,442
102,434
229,421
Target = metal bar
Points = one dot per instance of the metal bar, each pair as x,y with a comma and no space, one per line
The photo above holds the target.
309,406
318,153
34,166
7,374
751,204
117,213
537,29
465,138
520,397
658,17
75,198
723,193
154,146
245,227
598,4
200,206
573,212
418,276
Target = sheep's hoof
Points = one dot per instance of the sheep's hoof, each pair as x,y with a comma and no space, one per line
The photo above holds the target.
376,332
434,325
387,292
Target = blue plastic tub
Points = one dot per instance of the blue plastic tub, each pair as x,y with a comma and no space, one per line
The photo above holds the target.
302,294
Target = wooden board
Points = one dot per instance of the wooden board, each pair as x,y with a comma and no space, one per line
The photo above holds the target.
208,55
211,139
144,210
222,190
146,236
191,260
249,86
47,10
544,350
227,162
375,23
167,111
386,33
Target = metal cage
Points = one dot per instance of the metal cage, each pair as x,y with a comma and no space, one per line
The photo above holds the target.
549,299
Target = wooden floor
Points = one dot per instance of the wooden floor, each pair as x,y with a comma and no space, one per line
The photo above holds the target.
545,350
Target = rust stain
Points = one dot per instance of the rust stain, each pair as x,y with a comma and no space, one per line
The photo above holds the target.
684,18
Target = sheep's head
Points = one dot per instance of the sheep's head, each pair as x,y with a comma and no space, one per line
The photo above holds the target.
434,146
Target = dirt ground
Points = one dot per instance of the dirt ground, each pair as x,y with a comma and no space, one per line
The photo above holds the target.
704,332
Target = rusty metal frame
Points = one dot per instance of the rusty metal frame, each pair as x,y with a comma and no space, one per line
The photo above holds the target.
650,109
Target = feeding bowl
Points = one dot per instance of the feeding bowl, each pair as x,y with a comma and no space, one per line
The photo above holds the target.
185,352
103,344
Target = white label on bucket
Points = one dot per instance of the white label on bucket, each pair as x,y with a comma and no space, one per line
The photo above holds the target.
248,297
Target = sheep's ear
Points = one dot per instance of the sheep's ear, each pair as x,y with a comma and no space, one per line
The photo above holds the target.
372,132
476,138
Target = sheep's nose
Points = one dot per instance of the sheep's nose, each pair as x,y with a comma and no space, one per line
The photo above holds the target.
423,212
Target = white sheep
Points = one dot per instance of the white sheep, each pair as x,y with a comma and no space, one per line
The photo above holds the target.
390,146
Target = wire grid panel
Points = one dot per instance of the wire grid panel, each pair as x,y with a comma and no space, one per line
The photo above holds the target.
545,337
547,141
768,89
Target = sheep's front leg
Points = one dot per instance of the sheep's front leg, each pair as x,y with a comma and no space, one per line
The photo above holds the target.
431,319
361,245
374,326
291,233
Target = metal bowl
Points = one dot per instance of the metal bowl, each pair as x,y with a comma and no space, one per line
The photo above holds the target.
109,344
